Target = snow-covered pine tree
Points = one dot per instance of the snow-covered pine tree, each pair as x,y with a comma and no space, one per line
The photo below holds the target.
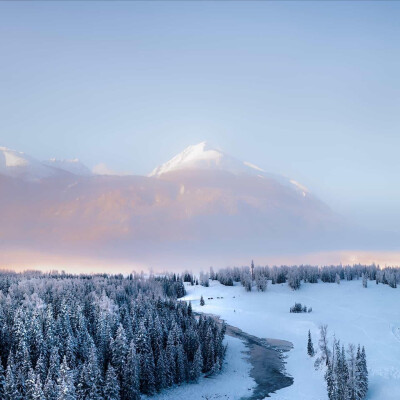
310,346
119,351
365,280
361,374
351,365
330,382
146,360
202,302
90,383
342,374
10,387
197,365
190,309
130,382
2,380
111,385
65,383
160,371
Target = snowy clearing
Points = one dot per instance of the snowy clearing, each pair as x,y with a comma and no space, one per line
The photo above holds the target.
233,383
354,314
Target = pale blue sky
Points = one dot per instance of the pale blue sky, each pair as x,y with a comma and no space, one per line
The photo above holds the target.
307,89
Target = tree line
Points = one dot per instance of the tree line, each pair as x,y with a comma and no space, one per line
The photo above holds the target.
257,277
92,337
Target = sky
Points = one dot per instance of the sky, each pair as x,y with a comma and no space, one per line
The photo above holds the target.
310,90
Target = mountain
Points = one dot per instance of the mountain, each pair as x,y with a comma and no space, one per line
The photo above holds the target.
74,166
206,158
201,202
17,164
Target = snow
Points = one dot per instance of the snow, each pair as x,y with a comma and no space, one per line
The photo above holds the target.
369,316
13,158
203,156
232,383
74,166
18,164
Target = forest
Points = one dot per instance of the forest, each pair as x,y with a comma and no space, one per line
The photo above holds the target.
92,337
257,277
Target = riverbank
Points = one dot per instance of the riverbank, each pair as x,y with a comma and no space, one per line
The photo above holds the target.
267,359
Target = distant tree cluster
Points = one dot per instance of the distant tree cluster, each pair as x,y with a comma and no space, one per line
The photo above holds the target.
346,373
299,308
189,277
93,337
258,276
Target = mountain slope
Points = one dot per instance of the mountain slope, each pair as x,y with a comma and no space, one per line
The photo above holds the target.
73,166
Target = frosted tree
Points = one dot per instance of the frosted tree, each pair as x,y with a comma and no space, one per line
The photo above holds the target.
361,374
161,371
10,387
65,383
197,365
351,364
34,389
202,302
131,383
119,350
365,280
2,380
293,278
310,346
261,280
324,352
146,361
90,378
111,386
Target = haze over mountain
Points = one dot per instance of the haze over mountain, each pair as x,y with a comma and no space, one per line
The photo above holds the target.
202,204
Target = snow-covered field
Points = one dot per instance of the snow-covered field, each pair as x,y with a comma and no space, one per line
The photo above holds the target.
354,314
233,383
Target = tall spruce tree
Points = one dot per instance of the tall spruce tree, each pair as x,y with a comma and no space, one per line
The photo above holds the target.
111,386
310,346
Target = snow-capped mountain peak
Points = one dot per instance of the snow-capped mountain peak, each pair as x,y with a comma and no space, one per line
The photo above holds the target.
19,165
203,156
74,166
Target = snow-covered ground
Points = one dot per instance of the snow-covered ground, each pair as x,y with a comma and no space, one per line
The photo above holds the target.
354,314
234,382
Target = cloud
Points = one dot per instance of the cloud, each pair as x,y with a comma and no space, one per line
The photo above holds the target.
103,169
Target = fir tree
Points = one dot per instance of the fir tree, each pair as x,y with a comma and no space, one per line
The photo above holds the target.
190,309
111,386
202,302
131,383
2,380
197,365
146,361
65,383
310,347
119,349
10,387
